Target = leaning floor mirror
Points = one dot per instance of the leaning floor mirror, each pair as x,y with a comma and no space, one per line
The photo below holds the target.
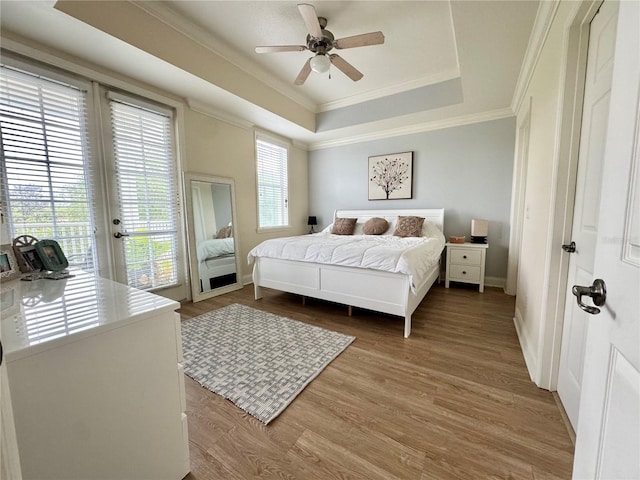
213,238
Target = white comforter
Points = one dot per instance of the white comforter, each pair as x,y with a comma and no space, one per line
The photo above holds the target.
214,247
413,256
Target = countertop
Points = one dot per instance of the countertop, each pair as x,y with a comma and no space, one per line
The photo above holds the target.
43,314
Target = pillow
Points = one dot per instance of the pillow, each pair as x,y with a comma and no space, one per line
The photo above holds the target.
225,232
409,227
375,226
344,226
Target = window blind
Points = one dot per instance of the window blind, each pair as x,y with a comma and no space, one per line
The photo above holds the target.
45,167
145,175
273,189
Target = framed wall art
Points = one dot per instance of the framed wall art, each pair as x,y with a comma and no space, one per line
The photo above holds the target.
391,176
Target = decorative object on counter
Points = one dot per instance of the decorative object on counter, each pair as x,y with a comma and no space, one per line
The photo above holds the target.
8,263
479,231
312,221
391,176
258,360
25,252
53,259
454,239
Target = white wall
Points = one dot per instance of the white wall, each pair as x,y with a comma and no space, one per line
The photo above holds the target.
548,194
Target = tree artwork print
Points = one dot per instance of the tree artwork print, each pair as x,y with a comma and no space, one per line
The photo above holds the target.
390,176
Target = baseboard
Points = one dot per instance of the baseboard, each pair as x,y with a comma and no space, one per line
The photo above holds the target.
499,282
565,418
247,279
525,346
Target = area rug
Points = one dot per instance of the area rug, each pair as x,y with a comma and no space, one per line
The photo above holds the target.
258,360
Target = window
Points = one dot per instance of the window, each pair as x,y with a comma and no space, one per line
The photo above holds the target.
43,125
273,188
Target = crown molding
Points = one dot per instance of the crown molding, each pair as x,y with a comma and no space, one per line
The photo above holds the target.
390,90
544,18
417,128
213,112
300,145
170,17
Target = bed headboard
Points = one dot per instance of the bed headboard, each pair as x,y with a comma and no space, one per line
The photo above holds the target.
434,215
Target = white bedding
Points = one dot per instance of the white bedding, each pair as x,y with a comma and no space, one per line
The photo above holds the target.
215,247
412,256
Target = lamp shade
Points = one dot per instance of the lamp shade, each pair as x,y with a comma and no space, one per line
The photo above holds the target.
312,220
320,63
479,228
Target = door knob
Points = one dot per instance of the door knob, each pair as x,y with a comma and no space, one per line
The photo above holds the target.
570,248
120,235
597,292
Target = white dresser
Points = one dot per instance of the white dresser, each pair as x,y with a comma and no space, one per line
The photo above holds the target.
96,380
466,263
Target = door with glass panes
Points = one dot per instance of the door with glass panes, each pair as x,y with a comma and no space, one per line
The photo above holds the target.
112,209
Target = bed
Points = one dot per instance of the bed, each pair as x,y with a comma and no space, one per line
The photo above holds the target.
396,293
216,262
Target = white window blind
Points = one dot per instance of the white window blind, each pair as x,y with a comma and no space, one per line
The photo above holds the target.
145,177
45,167
273,188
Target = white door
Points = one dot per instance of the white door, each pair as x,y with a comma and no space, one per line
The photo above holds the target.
608,433
143,183
586,220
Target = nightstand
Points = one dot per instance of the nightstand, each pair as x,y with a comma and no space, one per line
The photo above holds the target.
465,263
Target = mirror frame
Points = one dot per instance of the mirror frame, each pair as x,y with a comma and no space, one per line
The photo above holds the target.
196,294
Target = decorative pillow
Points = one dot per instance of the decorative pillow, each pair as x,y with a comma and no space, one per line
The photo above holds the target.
375,226
409,227
225,232
344,226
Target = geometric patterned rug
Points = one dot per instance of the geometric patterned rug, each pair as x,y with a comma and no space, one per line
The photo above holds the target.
258,360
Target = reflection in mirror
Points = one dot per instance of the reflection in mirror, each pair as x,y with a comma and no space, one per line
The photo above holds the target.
212,237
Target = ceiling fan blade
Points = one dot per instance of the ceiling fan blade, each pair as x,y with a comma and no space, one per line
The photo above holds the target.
280,48
373,38
346,68
304,73
310,18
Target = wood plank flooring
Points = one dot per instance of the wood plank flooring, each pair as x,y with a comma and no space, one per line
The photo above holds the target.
453,401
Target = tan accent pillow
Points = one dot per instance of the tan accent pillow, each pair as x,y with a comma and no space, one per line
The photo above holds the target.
375,226
344,226
225,232
409,227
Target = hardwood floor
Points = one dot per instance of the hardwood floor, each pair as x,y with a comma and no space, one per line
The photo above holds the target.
453,401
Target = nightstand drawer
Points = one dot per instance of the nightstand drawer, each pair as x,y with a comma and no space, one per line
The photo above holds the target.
466,256
464,273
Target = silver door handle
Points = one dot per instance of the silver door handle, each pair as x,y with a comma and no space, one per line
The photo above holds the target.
597,292
120,235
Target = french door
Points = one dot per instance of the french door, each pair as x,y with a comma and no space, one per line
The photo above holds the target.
95,170
142,185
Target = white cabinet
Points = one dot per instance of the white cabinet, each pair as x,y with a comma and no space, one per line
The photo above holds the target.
95,380
466,263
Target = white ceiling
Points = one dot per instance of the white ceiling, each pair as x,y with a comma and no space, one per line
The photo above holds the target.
481,43
406,59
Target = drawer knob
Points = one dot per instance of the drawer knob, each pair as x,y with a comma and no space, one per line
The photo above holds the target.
464,256
464,273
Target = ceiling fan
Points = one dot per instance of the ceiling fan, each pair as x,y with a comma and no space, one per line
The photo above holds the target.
321,41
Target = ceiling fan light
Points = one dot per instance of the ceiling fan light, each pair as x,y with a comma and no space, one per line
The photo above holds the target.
320,63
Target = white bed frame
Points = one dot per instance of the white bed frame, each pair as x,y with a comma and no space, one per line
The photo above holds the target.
215,267
358,287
